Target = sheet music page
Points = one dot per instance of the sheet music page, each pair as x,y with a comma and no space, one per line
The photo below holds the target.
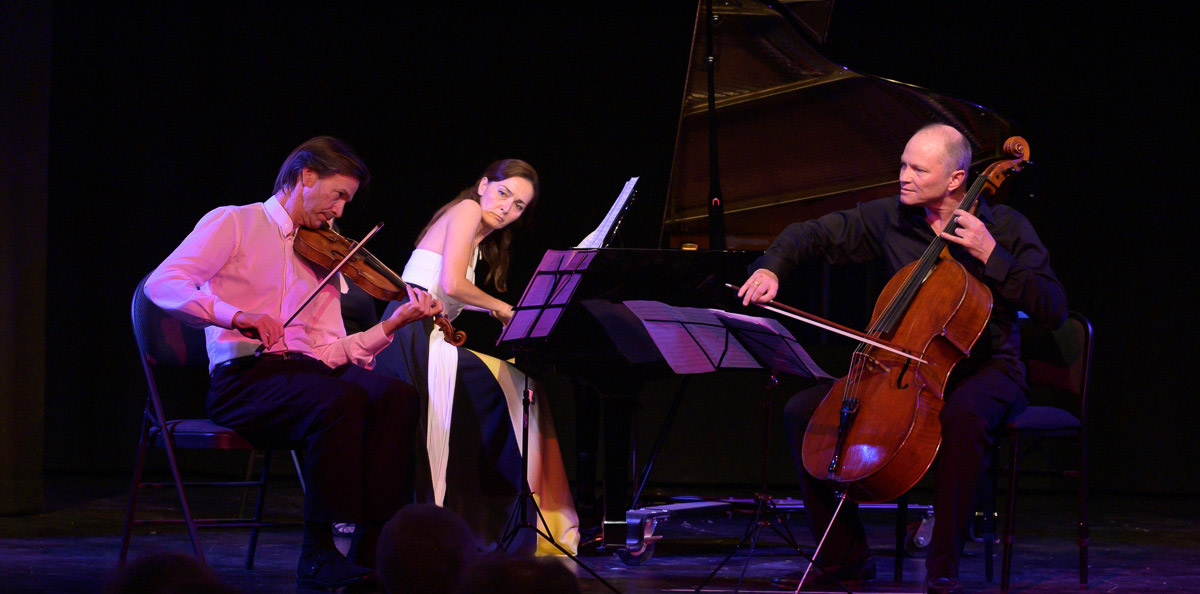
772,344
691,340
547,293
595,239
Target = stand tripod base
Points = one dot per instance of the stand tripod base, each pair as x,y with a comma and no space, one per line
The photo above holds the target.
518,521
766,515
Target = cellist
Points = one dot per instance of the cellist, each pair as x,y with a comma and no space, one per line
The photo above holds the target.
996,245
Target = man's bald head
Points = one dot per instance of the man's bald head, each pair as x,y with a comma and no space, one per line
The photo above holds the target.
957,150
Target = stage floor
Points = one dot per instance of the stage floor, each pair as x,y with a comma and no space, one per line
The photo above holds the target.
1138,544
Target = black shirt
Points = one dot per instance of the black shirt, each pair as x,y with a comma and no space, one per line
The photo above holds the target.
1018,270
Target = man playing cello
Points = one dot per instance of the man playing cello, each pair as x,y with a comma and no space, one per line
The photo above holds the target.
997,246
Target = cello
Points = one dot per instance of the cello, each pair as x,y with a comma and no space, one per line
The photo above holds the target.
878,430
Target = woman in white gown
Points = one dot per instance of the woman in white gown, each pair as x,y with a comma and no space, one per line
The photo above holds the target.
473,404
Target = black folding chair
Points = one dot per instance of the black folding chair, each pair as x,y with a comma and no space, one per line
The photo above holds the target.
1057,363
175,360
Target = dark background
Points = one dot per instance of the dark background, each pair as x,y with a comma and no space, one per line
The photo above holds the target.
161,113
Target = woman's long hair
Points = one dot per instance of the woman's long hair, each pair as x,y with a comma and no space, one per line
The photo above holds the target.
494,247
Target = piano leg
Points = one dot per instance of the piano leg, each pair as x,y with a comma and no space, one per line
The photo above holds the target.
618,415
587,442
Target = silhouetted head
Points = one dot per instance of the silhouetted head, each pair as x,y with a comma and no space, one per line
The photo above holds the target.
423,549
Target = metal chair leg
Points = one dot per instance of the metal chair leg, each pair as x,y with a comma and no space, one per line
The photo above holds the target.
299,473
169,445
258,508
1006,563
1083,513
143,446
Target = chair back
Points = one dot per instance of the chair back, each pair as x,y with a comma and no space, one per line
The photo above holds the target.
1058,361
173,355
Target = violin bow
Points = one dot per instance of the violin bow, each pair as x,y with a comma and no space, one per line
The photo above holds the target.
312,295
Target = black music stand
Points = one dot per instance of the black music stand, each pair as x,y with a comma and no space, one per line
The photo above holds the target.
545,299
702,340
776,350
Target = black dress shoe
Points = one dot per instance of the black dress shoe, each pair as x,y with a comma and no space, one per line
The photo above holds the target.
327,569
943,585
363,546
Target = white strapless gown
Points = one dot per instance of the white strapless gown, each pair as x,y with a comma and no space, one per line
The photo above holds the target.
483,449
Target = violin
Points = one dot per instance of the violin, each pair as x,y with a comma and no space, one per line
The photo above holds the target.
878,429
327,248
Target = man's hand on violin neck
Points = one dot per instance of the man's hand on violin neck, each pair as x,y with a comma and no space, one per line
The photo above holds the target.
420,305
259,326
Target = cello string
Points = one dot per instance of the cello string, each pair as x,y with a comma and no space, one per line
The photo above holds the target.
900,300
894,310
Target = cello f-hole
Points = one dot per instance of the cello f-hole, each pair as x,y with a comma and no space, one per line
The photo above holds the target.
900,376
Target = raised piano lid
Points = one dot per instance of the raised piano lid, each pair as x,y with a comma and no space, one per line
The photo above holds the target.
799,136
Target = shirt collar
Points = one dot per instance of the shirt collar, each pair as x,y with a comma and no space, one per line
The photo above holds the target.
985,212
917,213
280,216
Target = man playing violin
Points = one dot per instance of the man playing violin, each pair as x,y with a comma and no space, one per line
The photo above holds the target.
996,245
307,385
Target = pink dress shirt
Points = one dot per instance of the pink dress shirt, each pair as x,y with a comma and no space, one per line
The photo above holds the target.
240,258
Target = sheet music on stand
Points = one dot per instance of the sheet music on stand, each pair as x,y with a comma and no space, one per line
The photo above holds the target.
547,295
772,345
558,274
697,340
600,237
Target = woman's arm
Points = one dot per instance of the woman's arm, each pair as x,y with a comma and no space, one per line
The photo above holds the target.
458,248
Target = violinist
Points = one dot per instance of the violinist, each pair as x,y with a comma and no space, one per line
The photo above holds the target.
996,245
311,388
472,402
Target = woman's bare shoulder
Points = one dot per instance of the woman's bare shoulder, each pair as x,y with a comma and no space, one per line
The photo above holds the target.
465,207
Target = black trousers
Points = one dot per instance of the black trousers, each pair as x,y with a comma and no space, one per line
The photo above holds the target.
356,428
978,399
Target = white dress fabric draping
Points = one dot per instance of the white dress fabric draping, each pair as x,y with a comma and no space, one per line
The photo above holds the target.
473,426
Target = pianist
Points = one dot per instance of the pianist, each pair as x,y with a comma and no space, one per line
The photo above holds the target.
472,402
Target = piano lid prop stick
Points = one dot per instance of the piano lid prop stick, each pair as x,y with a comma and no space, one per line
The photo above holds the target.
596,238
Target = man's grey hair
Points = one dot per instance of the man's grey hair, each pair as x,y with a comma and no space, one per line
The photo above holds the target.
958,148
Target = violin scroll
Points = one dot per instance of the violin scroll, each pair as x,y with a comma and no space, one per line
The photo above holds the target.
453,336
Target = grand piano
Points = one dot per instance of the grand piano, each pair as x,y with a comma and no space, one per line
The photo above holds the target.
799,136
